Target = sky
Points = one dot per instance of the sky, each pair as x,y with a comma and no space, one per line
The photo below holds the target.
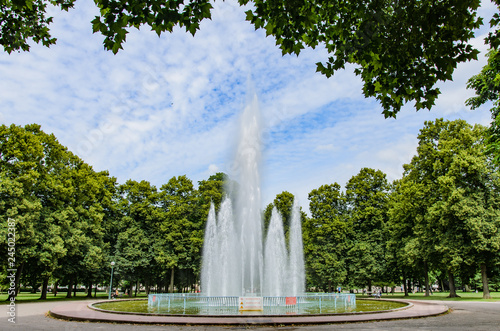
169,106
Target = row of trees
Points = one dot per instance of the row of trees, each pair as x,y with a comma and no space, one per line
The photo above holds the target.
442,218
71,221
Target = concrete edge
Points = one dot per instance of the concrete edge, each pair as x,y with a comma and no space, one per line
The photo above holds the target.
82,312
408,306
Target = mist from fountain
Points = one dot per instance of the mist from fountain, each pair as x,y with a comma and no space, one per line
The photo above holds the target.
297,272
275,257
235,260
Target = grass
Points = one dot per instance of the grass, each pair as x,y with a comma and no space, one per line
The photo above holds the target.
61,296
464,296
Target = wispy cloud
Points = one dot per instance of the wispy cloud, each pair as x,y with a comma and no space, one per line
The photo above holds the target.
168,106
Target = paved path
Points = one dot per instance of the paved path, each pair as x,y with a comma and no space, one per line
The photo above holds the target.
464,316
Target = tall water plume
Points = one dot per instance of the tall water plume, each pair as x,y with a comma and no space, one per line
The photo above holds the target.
248,218
228,258
233,255
275,258
296,264
210,255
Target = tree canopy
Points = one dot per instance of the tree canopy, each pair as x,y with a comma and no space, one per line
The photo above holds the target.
487,87
326,234
456,222
440,220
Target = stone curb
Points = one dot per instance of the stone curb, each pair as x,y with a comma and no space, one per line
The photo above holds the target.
78,311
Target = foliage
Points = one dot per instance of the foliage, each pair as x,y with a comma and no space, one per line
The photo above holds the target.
367,198
24,19
401,48
283,203
410,250
55,200
461,202
487,87
133,251
180,232
212,190
325,237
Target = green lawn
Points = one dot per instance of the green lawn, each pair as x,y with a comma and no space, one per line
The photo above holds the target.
464,296
61,296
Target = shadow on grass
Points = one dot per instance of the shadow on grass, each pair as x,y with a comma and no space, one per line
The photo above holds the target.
464,296
61,296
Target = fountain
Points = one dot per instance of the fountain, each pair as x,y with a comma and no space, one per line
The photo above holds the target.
240,270
243,274
246,267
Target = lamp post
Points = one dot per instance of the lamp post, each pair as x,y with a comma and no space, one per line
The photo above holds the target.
111,281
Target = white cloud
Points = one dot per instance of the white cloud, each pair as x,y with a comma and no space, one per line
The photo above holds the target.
213,169
168,106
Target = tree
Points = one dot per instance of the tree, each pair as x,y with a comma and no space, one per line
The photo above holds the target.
180,230
367,198
44,170
19,211
283,203
25,19
137,231
487,87
462,199
401,48
410,248
212,190
20,156
55,201
325,237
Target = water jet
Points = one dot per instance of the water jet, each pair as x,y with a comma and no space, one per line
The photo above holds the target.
243,271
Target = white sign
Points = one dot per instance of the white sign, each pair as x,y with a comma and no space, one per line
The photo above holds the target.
251,303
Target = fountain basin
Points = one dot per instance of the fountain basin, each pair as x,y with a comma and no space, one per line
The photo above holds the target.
194,304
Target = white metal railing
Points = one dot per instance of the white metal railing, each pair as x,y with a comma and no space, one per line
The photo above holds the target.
272,305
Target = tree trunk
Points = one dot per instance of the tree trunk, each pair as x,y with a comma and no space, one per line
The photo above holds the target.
171,289
70,287
453,291
484,276
426,281
136,288
89,290
405,285
33,286
147,286
45,283
14,291
95,291
55,287
330,286
369,285
74,287
18,278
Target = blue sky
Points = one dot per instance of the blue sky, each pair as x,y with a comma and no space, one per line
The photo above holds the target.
169,106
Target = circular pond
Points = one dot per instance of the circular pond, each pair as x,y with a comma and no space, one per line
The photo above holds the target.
140,306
